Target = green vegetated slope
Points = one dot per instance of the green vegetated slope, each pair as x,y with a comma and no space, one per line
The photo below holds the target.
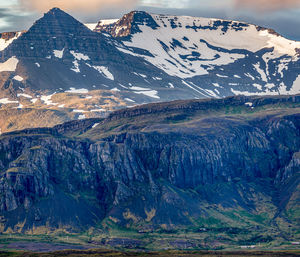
197,174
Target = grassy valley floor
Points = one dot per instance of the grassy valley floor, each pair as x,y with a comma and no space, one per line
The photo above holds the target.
139,245
106,253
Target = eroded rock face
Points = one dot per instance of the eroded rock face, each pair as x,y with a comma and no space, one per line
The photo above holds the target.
128,24
10,35
119,169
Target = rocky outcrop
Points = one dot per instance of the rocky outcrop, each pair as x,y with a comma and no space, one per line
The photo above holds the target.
10,35
128,24
207,105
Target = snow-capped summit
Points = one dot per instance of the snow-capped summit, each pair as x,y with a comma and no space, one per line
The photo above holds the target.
215,57
222,33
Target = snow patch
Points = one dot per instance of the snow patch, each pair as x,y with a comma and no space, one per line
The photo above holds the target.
79,111
283,65
259,87
95,125
24,95
47,99
77,91
221,76
250,76
296,86
270,85
58,53
91,26
261,72
18,78
81,117
98,110
211,93
151,93
217,85
6,101
197,90
80,56
145,91
76,66
139,88
129,100
104,71
9,65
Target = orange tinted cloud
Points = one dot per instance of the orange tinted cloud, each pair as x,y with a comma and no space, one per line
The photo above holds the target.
267,5
77,5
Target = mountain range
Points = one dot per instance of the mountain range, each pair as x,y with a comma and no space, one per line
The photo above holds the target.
61,69
150,132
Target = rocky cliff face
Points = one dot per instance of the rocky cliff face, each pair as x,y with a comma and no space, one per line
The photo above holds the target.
162,168
128,24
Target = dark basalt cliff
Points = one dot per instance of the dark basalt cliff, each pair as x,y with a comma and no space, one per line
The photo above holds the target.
172,164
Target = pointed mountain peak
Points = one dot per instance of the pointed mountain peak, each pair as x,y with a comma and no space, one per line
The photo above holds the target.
56,10
57,23
55,30
57,13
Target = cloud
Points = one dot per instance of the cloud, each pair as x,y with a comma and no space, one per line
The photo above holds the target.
267,5
88,6
13,19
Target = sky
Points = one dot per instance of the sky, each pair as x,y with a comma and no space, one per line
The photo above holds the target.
280,15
